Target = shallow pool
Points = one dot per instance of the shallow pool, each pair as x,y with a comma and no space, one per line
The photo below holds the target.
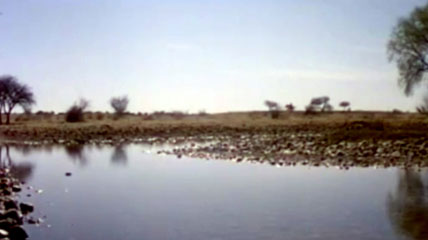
126,192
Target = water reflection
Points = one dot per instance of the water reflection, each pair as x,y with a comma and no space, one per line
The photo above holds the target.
119,155
22,171
76,153
408,207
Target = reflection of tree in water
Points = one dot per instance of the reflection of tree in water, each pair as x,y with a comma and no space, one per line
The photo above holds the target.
29,149
76,153
22,171
408,207
119,155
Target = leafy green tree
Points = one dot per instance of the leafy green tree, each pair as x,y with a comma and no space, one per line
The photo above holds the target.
408,47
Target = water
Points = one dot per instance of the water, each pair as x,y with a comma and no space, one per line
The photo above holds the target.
127,193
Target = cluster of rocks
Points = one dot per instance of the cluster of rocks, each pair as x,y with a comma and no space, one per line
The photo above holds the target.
308,148
12,213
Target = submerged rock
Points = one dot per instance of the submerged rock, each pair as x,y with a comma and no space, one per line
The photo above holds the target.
17,233
26,208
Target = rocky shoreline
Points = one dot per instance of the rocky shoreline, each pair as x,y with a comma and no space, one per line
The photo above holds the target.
13,213
348,144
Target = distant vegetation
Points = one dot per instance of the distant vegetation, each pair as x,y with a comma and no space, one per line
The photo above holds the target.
319,104
423,108
345,105
75,112
12,94
290,107
119,105
274,108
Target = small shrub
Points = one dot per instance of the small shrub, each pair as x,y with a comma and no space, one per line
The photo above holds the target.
119,104
75,112
274,114
274,109
397,111
423,108
310,109
290,107
202,113
177,115
99,116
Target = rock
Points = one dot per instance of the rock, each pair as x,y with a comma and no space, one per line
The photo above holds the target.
18,233
16,188
26,208
396,154
68,174
14,215
32,221
3,233
7,223
10,204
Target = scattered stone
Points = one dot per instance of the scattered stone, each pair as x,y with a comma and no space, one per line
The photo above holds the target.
396,154
17,232
26,208
13,214
10,204
3,233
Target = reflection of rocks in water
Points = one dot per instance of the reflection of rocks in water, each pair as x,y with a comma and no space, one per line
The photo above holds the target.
13,213
22,171
119,155
76,153
408,207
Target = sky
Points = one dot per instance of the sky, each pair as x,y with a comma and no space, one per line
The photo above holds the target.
192,55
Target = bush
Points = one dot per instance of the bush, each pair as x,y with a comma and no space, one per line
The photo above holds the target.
75,112
274,114
290,107
423,108
310,109
274,109
397,111
202,113
99,116
119,104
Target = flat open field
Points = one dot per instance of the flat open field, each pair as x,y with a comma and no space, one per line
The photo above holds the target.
98,126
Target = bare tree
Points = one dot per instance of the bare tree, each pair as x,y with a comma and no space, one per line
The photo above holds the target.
119,104
345,105
13,93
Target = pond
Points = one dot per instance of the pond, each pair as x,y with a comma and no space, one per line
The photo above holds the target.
130,192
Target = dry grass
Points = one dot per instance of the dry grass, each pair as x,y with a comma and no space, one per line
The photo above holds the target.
336,126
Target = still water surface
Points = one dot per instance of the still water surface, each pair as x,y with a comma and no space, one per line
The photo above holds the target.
128,193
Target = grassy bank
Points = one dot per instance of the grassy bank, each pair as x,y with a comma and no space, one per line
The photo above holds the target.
340,139
335,127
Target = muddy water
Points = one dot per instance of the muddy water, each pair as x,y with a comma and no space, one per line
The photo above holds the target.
129,193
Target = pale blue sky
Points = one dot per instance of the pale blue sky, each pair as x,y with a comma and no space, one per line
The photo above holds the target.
188,55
